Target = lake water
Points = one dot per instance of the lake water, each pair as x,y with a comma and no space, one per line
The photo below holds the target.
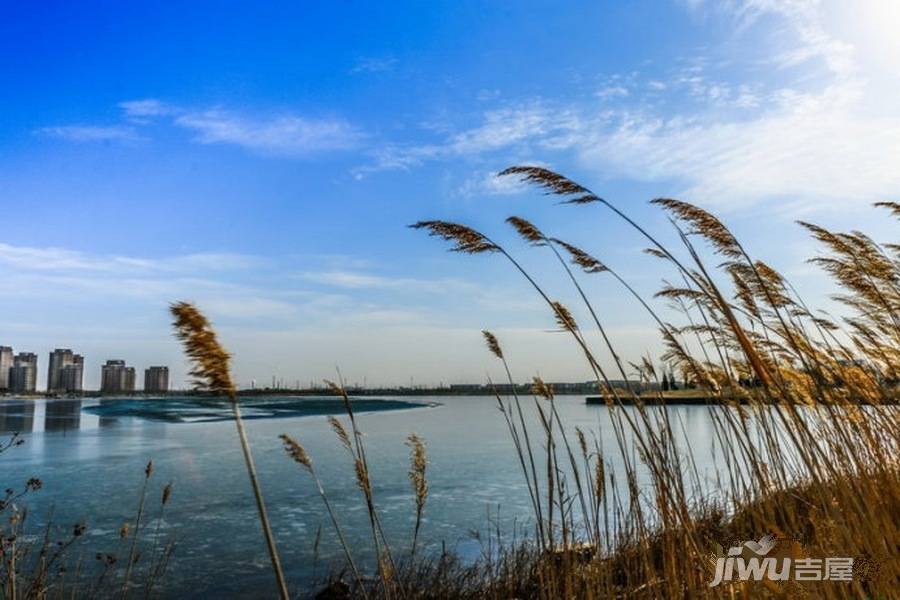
91,456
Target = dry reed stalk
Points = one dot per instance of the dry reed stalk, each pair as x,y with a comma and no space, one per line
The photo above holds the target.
132,554
155,561
418,464
211,373
532,483
361,469
298,454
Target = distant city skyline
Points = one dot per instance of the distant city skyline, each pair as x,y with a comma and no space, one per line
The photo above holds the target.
267,169
65,374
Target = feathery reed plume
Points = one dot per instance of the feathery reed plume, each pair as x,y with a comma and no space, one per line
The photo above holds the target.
704,224
209,359
553,182
362,477
582,441
676,293
894,207
211,372
492,343
539,388
467,240
588,263
417,466
564,318
334,387
297,452
655,252
299,455
527,231
342,434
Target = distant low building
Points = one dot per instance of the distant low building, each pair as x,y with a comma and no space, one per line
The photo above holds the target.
65,372
466,388
23,374
116,378
156,380
6,365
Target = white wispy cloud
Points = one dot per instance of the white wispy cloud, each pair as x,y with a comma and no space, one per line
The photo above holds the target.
149,284
486,183
142,111
813,148
374,65
827,139
91,133
281,135
62,259
543,124
363,280
442,296
277,134
221,283
612,91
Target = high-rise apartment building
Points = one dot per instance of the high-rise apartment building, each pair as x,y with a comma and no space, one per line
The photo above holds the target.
6,364
156,380
65,373
71,378
116,378
23,374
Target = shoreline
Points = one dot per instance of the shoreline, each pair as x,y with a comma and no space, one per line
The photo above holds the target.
671,398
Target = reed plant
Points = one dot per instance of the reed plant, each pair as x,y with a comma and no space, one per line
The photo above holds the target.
53,561
805,427
803,406
212,374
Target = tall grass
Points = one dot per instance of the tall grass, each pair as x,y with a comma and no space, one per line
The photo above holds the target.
55,562
803,408
802,405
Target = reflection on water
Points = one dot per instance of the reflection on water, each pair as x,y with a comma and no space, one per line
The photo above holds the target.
16,415
35,416
62,415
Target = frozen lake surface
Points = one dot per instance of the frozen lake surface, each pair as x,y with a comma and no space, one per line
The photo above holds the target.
91,456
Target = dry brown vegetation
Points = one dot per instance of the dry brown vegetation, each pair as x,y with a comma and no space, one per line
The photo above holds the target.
804,411
803,406
55,561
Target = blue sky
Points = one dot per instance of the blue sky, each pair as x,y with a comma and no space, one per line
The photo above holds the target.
264,161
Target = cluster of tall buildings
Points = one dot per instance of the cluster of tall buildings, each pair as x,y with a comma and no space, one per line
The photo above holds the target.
118,378
18,372
65,374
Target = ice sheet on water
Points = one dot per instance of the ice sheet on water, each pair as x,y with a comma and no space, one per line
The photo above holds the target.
199,409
